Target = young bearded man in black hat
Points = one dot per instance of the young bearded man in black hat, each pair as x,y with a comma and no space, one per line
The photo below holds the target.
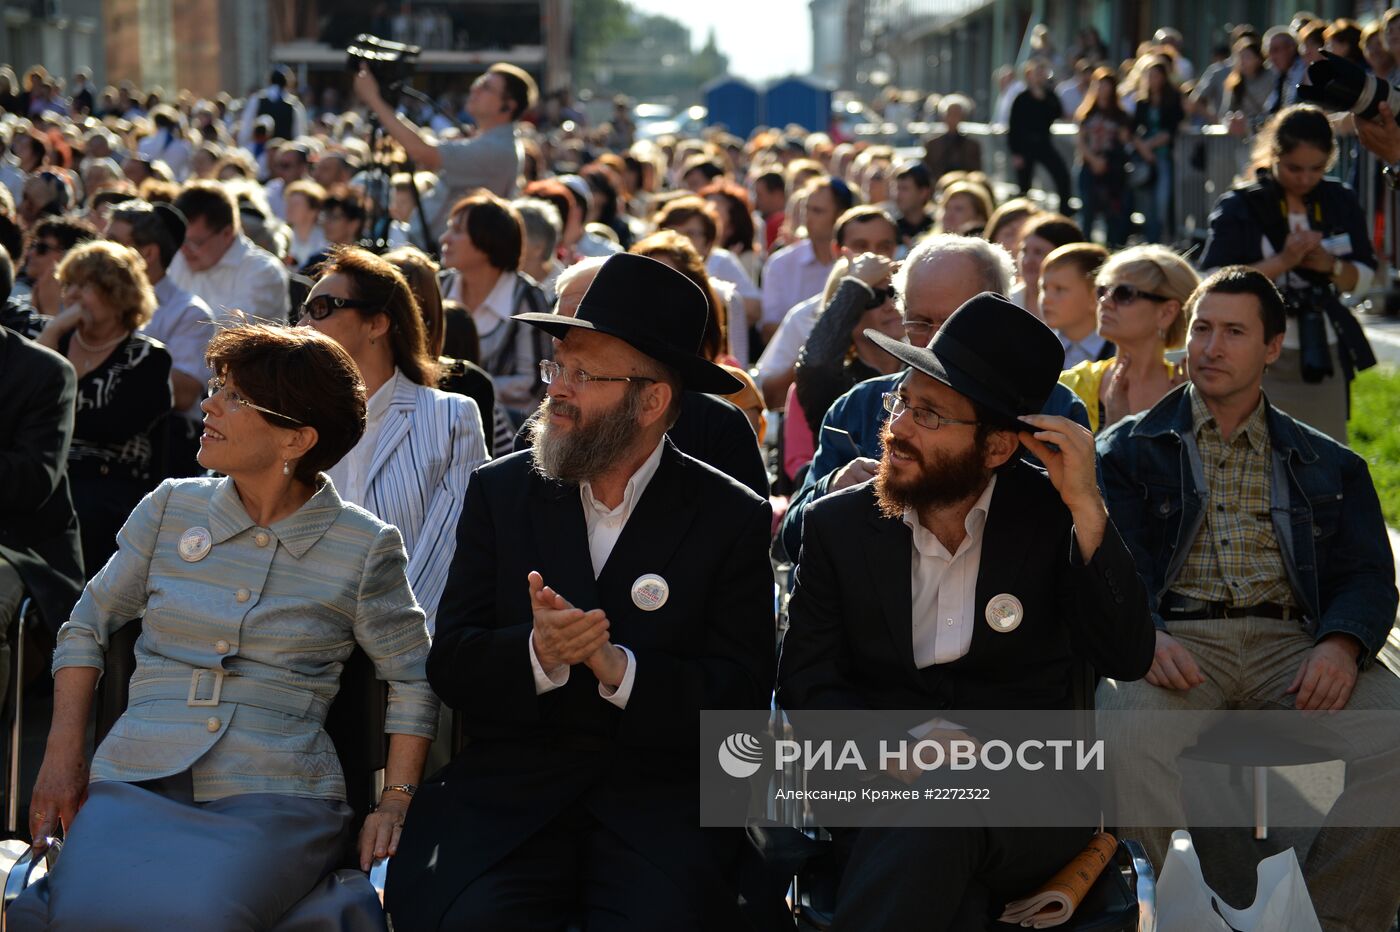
961,577
606,587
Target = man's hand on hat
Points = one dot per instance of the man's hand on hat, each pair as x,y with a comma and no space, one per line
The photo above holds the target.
871,268
563,635
1072,471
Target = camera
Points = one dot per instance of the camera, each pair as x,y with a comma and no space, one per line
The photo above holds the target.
1308,307
1337,84
391,63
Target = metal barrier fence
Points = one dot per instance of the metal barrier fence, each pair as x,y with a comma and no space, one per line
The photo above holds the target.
1208,161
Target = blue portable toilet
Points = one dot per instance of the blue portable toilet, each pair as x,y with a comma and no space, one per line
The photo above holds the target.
801,100
734,103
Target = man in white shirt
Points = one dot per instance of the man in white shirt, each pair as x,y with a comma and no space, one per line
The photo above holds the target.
794,274
182,321
961,577
859,230
219,264
605,588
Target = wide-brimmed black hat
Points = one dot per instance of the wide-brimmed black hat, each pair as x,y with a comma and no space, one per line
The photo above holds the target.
655,309
993,352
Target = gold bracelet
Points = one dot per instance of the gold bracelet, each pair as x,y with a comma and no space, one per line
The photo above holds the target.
406,788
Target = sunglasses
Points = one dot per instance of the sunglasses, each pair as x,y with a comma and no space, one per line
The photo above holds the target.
879,296
1127,294
324,305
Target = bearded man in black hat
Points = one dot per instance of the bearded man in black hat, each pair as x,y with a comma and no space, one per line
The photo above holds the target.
961,577
606,587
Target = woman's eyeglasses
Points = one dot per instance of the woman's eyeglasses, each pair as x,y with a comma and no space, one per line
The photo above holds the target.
1127,294
218,386
879,296
324,305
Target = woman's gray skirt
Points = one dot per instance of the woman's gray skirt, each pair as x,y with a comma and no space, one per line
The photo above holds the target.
147,856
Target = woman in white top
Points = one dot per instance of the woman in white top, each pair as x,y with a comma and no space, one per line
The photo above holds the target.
481,253
420,445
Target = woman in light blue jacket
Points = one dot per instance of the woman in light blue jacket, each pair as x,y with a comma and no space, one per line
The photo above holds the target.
410,469
217,800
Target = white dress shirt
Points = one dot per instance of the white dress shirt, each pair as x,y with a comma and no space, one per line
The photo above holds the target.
604,528
495,309
792,275
351,474
782,351
944,586
185,324
246,279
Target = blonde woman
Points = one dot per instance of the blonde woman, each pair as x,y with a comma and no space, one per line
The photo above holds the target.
1141,292
124,388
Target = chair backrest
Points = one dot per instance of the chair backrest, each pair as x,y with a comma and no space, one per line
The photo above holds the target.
355,721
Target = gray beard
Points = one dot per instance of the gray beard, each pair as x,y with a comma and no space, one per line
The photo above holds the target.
591,448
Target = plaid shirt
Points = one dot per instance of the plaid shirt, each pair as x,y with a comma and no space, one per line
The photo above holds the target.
1235,558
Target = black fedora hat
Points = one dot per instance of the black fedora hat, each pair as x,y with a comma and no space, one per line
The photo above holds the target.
993,352
655,309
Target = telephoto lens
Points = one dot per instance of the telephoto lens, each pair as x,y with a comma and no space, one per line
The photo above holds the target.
1336,84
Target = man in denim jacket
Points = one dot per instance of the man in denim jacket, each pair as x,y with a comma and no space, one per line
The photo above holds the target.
1271,583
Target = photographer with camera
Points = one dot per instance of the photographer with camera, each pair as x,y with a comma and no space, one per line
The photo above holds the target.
1308,234
490,159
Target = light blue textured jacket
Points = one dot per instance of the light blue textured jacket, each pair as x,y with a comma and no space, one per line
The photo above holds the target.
241,651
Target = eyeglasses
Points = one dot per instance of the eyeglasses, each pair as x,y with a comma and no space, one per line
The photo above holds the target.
919,331
217,386
924,417
198,244
1127,294
324,305
551,371
879,296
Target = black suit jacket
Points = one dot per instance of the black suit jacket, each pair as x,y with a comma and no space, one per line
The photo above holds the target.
38,527
713,431
532,757
849,644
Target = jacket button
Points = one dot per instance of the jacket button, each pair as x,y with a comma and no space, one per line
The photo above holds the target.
261,538
1317,530
213,723
1165,507
242,595
221,646
103,470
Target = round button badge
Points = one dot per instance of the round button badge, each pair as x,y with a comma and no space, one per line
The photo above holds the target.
195,544
650,592
1004,613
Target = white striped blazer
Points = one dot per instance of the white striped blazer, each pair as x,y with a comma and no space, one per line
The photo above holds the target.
429,442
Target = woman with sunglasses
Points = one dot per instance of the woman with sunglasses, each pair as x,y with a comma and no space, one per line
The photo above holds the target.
124,391
1141,293
838,354
218,785
420,445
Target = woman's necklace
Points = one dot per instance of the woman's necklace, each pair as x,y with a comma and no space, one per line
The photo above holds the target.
93,355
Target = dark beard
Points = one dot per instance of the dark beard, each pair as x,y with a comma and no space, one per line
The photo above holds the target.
942,481
591,447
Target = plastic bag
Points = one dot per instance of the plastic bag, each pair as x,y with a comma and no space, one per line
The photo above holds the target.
1186,904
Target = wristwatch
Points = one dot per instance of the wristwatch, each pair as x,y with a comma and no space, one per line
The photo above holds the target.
407,789
1391,173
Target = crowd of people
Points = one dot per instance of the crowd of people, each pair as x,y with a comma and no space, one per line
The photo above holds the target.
526,413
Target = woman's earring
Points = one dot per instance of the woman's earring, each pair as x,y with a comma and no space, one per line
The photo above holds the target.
286,467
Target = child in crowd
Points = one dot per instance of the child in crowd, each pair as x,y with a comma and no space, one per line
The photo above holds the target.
1068,301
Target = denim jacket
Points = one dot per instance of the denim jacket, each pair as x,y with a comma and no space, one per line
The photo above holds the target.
1326,515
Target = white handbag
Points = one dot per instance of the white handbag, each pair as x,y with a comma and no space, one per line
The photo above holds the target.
1186,904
